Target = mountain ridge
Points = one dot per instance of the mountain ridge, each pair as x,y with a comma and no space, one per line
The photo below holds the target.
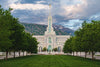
39,29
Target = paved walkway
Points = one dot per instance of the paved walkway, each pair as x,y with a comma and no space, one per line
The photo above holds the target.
88,56
97,56
10,56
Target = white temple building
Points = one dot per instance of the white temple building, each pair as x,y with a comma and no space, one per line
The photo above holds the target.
50,40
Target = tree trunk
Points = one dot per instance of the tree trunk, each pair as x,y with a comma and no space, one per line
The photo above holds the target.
76,53
93,55
9,53
19,53
73,53
6,55
80,53
89,52
14,54
85,54
26,53
23,53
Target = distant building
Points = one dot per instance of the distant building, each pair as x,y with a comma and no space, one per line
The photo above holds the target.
50,40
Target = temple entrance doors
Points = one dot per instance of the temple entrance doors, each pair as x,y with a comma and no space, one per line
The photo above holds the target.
49,49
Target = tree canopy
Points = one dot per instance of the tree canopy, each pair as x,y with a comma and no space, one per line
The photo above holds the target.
13,36
86,39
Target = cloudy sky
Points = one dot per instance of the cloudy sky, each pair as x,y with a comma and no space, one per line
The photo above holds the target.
69,13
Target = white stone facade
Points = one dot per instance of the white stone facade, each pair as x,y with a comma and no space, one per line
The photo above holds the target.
57,41
50,40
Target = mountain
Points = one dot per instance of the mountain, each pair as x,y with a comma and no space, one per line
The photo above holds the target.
38,29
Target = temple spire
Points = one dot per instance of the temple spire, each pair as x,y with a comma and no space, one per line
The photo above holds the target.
50,29
49,9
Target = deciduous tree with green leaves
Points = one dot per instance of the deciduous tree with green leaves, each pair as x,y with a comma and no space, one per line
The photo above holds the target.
5,33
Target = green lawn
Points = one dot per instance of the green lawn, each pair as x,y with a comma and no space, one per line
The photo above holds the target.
49,61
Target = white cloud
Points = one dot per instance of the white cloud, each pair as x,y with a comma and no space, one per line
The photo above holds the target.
74,10
95,17
44,23
67,9
73,24
70,2
13,1
28,6
5,3
38,2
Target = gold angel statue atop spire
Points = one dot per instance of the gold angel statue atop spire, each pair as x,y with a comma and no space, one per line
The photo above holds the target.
50,5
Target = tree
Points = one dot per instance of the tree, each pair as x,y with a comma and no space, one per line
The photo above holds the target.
12,35
68,46
90,36
44,49
55,49
77,41
86,39
32,44
5,25
17,35
93,31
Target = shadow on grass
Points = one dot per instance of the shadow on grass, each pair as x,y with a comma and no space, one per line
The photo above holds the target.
31,56
83,58
17,58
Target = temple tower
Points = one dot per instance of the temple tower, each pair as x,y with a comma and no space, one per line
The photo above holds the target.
50,40
50,34
50,29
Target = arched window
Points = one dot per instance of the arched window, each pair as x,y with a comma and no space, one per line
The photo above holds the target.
40,49
49,40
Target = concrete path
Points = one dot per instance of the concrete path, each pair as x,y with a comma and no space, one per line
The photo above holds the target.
10,56
97,55
88,56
